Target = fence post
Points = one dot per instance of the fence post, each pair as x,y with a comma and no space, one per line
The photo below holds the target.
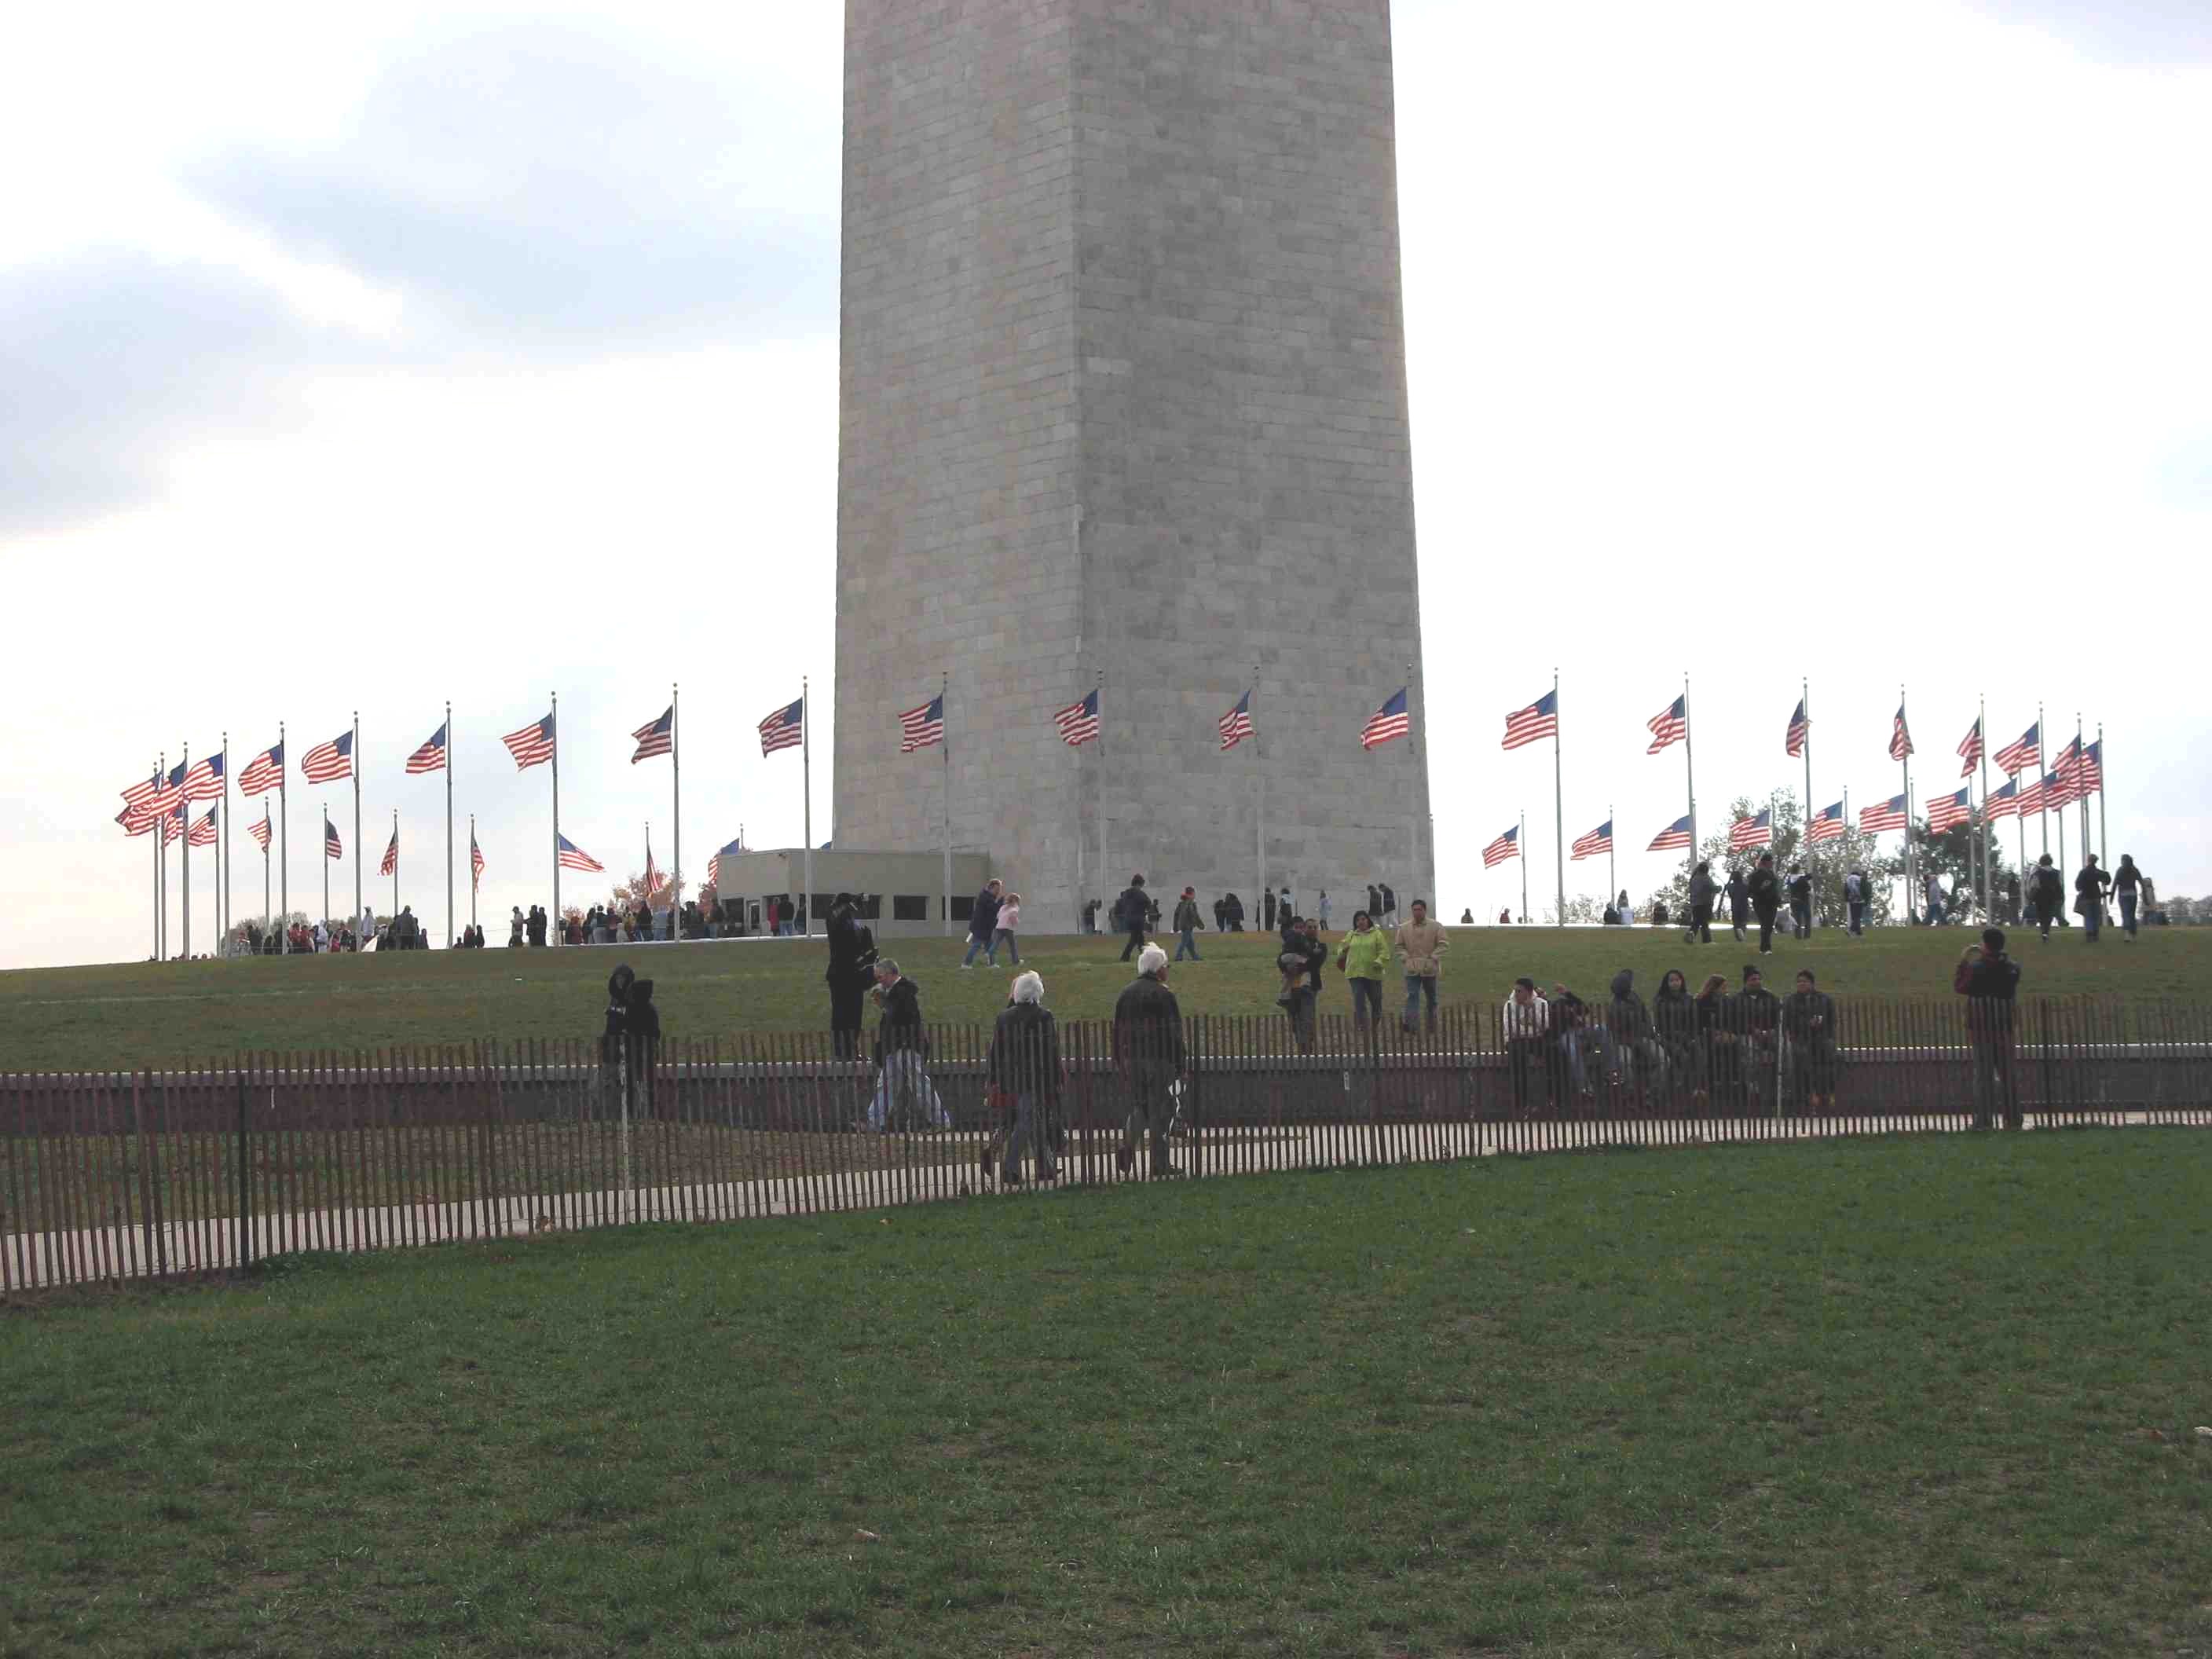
244,1183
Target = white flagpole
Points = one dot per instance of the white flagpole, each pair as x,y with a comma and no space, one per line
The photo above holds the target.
1558,806
1611,875
806,811
1905,760
1690,770
451,932
395,862
2042,795
2104,846
1982,834
356,814
1101,688
1520,848
161,876
223,943
184,854
327,864
675,816
472,861
283,830
1260,802
944,769
553,923
264,867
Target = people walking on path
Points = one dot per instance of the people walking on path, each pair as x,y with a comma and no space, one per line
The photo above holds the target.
1268,910
1130,911
1186,924
1363,959
1990,980
1148,1055
2128,884
2089,890
1023,1065
1701,906
1421,946
983,925
2047,891
1799,888
903,1091
1388,915
1739,898
1765,900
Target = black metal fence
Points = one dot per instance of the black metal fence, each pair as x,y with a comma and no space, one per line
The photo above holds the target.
115,1177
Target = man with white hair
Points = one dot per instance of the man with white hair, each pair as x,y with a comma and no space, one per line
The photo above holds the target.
1148,1053
901,1049
1023,1065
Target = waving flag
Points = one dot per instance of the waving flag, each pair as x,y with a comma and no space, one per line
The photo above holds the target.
390,856
1674,838
533,745
259,831
655,737
173,823
1599,840
203,830
784,729
714,864
476,863
2003,802
1539,720
332,847
204,781
2092,780
1079,721
1883,815
264,772
327,763
2017,757
1746,833
1900,740
135,823
1948,811
2035,797
1793,740
1507,846
1237,725
922,727
1970,748
1828,825
1670,724
431,756
573,857
1390,722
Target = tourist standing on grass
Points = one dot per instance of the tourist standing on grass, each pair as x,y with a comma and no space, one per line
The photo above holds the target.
1221,915
1295,999
1363,960
1186,923
1739,899
852,970
1268,910
1527,1025
1765,899
2047,891
1989,980
1421,946
1320,909
1388,915
2089,888
1023,1065
2127,884
1132,907
1800,889
1932,910
1701,906
1148,1053
1003,927
903,1091
1304,934
1808,1021
983,925
1855,903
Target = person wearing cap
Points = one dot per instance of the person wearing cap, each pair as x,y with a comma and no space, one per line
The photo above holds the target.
1148,1053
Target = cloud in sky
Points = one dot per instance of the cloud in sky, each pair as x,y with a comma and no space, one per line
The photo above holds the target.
405,352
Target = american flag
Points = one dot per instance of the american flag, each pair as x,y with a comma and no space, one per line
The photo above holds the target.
1599,840
2060,787
332,847
2093,768
390,856
1539,720
714,864
654,881
1828,825
1237,725
1670,724
784,729
655,737
264,772
1079,721
431,756
570,856
922,727
2003,802
326,763
204,781
135,823
2035,797
151,798
1883,815
1507,846
203,830
259,831
2016,757
533,745
1745,833
1675,837
1970,748
1793,740
1900,740
476,863
1948,811
172,824
1392,720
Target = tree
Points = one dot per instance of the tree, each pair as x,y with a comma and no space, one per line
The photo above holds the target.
1829,860
629,895
1950,857
1581,908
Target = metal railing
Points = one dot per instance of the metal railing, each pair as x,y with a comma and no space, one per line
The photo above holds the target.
120,1175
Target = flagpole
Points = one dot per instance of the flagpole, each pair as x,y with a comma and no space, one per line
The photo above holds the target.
945,772
2081,759
283,829
806,808
1690,770
2105,845
1260,804
1982,835
223,943
675,816
1558,805
1905,760
449,824
1805,689
472,860
395,861
1521,847
264,866
184,853
2042,795
160,873
553,925
326,863
1611,876
357,905
1100,687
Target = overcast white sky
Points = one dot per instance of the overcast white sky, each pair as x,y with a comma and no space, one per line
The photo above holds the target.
365,356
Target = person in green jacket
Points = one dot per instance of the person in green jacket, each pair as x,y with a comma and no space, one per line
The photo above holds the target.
1364,959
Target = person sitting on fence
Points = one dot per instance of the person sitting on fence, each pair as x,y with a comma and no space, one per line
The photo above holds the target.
1757,1019
1674,1026
1990,980
1808,1022
903,1091
1526,1025
1630,1024
1023,1066
1296,1000
1579,1034
1722,1060
631,1041
1148,1053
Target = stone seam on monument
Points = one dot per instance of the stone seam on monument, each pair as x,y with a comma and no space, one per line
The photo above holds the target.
1138,264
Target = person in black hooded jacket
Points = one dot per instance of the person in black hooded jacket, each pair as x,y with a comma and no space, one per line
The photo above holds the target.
1131,909
851,971
1765,899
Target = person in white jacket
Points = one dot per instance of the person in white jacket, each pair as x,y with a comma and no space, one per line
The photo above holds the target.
1527,1025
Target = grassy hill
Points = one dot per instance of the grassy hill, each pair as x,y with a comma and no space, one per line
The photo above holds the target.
151,1014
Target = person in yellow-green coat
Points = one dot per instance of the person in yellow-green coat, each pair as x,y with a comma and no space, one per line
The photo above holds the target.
1364,959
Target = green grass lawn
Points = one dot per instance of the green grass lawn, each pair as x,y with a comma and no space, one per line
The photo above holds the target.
1916,1397
156,1014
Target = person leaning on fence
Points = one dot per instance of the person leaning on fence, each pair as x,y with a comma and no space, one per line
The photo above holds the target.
1758,1021
1148,1053
1989,980
1634,1050
1363,959
1421,946
903,1091
1023,1066
1674,1024
1528,1026
1809,1025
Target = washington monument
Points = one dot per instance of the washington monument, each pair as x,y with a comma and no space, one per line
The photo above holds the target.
1123,407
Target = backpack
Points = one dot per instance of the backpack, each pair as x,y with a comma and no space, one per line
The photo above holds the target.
2047,885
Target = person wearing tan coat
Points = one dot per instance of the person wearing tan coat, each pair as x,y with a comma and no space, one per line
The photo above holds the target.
1421,945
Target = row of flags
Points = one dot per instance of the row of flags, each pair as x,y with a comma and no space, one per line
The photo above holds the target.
1077,723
